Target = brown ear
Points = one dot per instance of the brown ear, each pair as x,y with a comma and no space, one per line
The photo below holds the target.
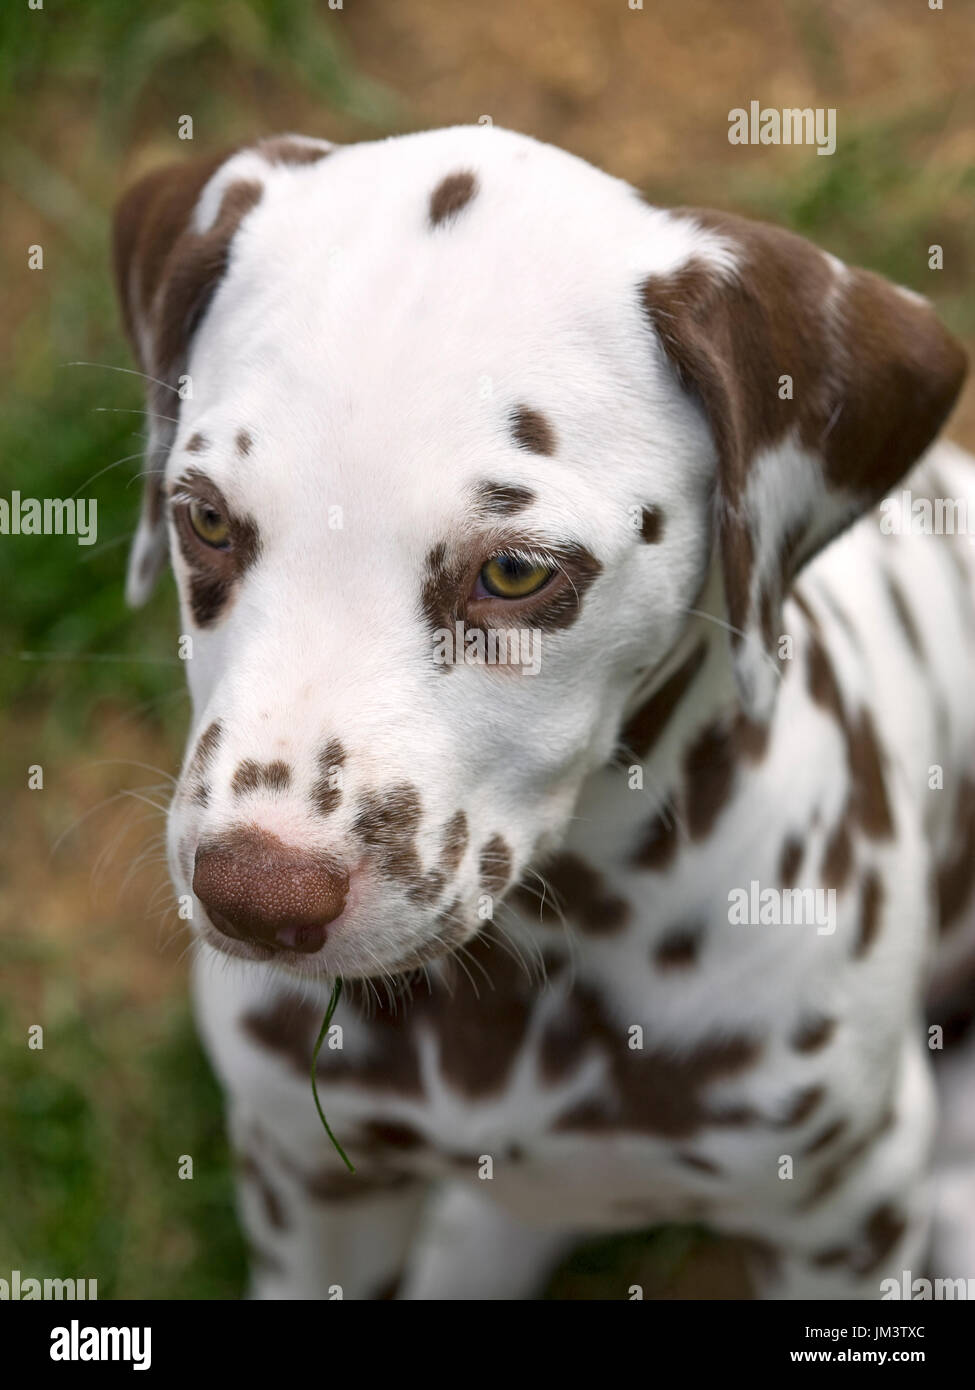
170,253
822,385
152,225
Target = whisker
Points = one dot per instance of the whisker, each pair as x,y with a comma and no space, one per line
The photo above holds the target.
108,467
126,371
129,410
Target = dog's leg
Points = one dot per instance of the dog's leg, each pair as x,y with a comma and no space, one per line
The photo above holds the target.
869,1264
321,1234
472,1249
860,1216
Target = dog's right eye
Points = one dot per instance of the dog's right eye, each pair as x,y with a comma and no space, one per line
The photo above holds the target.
210,525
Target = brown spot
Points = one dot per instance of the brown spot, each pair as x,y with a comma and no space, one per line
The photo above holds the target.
504,499
531,430
679,949
281,149
253,776
831,1257
440,596
390,1134
789,861
813,1034
697,1162
836,1172
656,1089
879,1235
738,1116
802,603
244,443
197,444
751,738
388,1290
270,1200
387,825
384,821
651,524
838,855
658,847
450,196
826,1136
823,685
455,839
201,761
643,729
956,873
495,865
905,616
324,794
480,1019
583,896
339,1185
709,765
868,797
802,1105
870,905
288,1026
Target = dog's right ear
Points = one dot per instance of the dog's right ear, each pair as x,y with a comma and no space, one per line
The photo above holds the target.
171,245
152,235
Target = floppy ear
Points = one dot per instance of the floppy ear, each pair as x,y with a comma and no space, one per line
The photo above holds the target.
171,245
822,385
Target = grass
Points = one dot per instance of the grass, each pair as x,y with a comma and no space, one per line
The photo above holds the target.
94,1128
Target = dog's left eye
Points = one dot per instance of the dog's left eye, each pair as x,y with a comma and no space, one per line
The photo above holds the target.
513,576
210,525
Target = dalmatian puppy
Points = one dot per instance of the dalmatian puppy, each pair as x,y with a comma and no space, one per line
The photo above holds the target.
636,920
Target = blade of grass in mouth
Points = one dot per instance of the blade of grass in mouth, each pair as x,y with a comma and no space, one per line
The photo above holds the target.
332,1006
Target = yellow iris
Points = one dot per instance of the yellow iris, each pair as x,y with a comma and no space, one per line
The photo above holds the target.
209,524
511,576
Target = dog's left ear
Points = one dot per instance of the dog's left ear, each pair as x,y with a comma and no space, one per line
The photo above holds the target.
822,385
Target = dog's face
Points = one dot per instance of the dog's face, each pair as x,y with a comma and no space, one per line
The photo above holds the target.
428,390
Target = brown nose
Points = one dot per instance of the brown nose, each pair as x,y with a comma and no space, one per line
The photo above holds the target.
256,888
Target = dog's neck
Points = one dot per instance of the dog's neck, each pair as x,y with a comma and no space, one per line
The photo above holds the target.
684,717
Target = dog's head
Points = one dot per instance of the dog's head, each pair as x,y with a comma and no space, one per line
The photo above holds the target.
411,394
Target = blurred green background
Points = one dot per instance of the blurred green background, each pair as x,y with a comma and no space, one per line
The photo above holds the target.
92,1126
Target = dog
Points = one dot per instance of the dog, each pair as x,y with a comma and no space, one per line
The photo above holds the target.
642,935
